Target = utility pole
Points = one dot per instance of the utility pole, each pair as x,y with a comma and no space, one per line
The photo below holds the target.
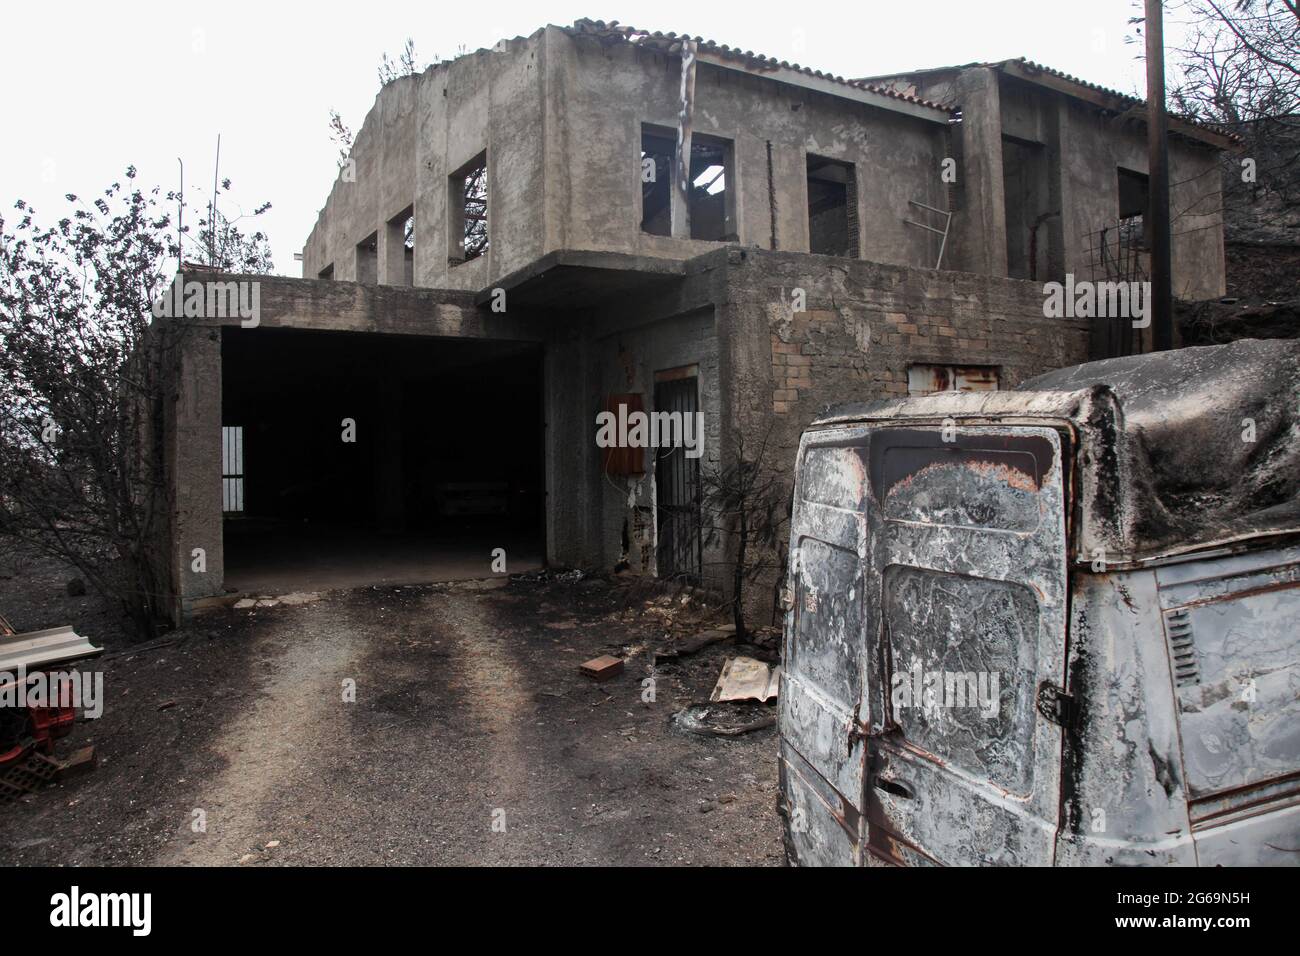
1160,305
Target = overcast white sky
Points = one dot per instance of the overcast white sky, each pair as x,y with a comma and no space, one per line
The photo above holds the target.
92,87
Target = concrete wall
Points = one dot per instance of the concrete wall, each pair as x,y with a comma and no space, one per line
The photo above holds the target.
192,469
1094,150
863,326
768,370
609,92
598,351
561,118
763,369
420,131
1086,147
629,359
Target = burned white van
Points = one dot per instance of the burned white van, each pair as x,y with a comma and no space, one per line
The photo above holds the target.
1052,626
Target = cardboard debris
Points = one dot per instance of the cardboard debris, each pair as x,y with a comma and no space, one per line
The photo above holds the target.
744,678
602,668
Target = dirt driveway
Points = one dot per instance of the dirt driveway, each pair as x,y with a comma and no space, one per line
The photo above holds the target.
472,740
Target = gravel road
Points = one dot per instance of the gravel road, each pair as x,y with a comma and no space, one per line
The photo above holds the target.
472,740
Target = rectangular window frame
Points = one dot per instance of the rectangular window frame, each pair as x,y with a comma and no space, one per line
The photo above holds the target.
458,217
730,231
817,164
232,469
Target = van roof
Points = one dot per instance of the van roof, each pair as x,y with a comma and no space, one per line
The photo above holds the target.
1178,451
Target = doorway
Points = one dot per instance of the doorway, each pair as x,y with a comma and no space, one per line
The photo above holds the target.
677,483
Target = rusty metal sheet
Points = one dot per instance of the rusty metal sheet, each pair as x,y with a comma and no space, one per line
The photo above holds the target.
928,379
1239,686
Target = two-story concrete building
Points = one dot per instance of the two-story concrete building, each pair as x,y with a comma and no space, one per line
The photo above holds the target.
595,216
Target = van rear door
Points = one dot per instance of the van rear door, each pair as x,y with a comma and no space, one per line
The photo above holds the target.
928,591
968,533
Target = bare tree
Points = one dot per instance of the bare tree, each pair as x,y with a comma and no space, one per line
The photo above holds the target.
1237,69
82,373
341,135
221,243
746,504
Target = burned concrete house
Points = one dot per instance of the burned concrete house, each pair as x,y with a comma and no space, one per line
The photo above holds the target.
595,216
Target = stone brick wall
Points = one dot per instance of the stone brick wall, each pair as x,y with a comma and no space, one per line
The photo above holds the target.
863,324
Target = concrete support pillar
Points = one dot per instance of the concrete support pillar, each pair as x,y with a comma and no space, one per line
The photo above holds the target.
392,253
1074,221
979,230
573,510
193,449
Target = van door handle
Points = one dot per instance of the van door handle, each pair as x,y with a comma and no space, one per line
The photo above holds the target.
896,787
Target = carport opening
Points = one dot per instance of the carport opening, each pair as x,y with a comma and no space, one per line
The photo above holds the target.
368,458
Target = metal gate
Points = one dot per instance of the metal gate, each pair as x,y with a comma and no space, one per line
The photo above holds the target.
677,489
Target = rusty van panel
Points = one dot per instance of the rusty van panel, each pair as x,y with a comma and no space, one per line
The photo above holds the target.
828,621
822,827
914,553
822,701
972,589
1235,654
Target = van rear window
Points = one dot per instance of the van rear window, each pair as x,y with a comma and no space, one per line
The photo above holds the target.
835,475
960,478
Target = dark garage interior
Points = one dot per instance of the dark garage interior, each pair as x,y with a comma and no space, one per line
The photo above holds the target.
353,458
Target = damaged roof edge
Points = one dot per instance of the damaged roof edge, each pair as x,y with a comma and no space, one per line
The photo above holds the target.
754,64
1025,69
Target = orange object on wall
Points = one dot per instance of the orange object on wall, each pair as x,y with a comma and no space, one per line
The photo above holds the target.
623,461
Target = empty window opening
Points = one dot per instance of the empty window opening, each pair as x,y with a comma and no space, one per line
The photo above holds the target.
710,202
657,151
1134,200
232,469
927,379
327,272
368,259
832,208
1025,189
400,267
468,205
